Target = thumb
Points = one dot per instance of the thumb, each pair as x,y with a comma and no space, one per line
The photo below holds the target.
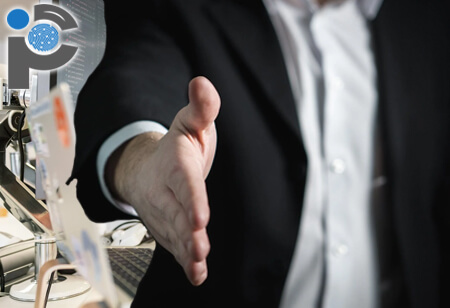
203,107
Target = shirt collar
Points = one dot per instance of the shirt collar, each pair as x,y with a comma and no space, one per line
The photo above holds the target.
369,8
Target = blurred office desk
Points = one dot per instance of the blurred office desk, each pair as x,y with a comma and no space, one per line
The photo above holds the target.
74,302
78,301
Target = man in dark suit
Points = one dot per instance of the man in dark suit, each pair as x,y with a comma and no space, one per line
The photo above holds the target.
239,228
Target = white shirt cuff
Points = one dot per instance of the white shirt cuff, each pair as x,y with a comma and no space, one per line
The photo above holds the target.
111,144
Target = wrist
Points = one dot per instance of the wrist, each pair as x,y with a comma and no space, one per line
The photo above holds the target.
124,164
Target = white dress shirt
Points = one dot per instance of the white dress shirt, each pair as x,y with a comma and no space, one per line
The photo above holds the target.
331,68
334,83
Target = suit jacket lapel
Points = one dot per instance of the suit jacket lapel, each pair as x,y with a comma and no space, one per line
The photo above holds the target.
248,29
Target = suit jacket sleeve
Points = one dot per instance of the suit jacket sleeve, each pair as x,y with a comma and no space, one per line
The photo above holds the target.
142,76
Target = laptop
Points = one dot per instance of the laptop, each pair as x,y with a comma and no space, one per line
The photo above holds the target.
51,127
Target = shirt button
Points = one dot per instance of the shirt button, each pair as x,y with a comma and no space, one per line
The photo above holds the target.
337,166
339,250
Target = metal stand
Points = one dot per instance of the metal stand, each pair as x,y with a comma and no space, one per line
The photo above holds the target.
62,287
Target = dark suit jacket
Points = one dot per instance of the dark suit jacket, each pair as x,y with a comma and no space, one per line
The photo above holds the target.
256,183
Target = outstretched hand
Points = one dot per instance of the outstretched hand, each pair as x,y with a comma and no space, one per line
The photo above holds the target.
163,178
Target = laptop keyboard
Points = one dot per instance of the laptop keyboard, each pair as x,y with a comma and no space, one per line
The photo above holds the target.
128,266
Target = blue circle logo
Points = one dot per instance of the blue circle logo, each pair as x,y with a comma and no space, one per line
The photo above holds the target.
43,37
18,19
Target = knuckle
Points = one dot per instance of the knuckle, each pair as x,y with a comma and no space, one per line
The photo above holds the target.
206,248
204,216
